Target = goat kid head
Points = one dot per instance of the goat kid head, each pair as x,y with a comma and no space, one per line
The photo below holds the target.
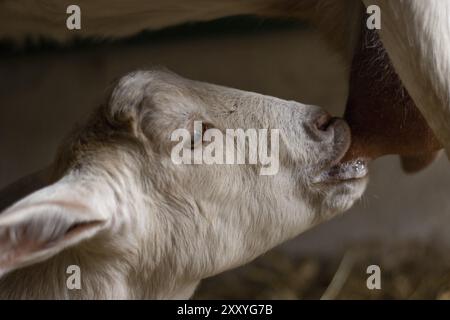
143,226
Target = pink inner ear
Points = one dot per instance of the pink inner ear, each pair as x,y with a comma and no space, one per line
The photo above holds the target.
13,253
75,230
46,222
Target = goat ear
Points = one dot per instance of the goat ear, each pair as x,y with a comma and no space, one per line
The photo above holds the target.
47,221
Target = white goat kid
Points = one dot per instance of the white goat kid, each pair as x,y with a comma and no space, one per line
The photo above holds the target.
140,226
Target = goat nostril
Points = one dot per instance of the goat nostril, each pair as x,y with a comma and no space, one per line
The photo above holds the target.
323,122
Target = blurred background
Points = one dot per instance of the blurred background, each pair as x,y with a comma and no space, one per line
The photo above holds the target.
400,224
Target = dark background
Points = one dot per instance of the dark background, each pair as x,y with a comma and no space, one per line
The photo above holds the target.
401,223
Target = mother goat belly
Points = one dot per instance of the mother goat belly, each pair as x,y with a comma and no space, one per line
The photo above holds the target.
383,117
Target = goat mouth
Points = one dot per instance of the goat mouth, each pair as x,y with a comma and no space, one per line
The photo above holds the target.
347,171
335,170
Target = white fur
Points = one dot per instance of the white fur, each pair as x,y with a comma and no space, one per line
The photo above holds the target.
159,227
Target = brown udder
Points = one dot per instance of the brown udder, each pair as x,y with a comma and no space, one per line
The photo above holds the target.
382,116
